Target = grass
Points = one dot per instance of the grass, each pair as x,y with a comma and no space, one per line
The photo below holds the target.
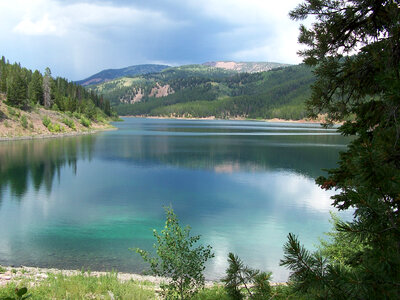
82,286
87,286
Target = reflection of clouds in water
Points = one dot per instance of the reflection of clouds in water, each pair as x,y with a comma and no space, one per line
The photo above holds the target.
289,187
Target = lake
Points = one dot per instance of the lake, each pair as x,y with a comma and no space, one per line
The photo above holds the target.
83,201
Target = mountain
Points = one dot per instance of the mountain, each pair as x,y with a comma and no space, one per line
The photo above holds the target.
110,74
249,67
206,91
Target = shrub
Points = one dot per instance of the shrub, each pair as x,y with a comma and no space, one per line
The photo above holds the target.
85,122
55,107
69,123
24,121
46,121
76,115
56,128
13,112
177,259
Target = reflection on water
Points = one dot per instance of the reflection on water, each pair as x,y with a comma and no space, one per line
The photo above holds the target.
84,201
39,161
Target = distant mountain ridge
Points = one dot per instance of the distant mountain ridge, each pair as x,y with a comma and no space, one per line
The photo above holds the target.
209,91
110,74
247,67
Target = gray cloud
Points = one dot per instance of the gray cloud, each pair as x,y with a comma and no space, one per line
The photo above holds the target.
77,38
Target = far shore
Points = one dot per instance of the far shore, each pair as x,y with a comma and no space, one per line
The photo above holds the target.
274,120
58,135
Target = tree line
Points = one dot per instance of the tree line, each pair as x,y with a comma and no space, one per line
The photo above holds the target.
25,88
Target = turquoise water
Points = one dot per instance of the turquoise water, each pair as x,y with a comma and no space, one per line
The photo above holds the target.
243,185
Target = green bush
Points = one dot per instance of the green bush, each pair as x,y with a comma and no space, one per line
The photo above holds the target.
46,121
55,107
13,112
76,115
85,122
56,128
69,123
24,121
178,259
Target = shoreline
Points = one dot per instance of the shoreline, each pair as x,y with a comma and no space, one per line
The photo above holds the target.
273,120
59,135
37,274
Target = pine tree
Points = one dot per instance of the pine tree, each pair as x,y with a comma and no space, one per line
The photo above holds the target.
3,78
35,88
355,47
17,90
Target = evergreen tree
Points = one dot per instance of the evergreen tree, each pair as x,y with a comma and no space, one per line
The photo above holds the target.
355,46
17,90
35,88
3,78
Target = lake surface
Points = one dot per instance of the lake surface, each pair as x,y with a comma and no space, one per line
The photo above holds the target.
83,201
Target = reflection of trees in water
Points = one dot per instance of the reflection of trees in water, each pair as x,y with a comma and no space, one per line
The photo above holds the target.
39,161
303,154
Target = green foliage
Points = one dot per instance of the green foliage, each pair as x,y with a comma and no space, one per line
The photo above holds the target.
279,93
52,127
17,89
85,122
12,112
56,128
69,123
241,278
341,247
24,121
178,259
46,121
19,294
354,46
2,269
217,292
83,286
76,115
35,88
25,88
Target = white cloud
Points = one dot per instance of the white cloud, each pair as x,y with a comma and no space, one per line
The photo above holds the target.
262,27
43,26
48,17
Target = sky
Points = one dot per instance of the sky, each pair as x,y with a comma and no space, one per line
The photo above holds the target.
78,38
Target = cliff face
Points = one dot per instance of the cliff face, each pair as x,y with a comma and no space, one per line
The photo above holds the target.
137,94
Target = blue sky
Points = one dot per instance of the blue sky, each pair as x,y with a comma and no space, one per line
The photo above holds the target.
78,38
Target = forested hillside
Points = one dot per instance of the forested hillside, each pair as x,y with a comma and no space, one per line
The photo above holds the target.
32,104
203,91
25,88
110,74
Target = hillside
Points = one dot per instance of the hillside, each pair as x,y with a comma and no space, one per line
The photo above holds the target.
110,74
16,123
33,104
205,91
245,67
